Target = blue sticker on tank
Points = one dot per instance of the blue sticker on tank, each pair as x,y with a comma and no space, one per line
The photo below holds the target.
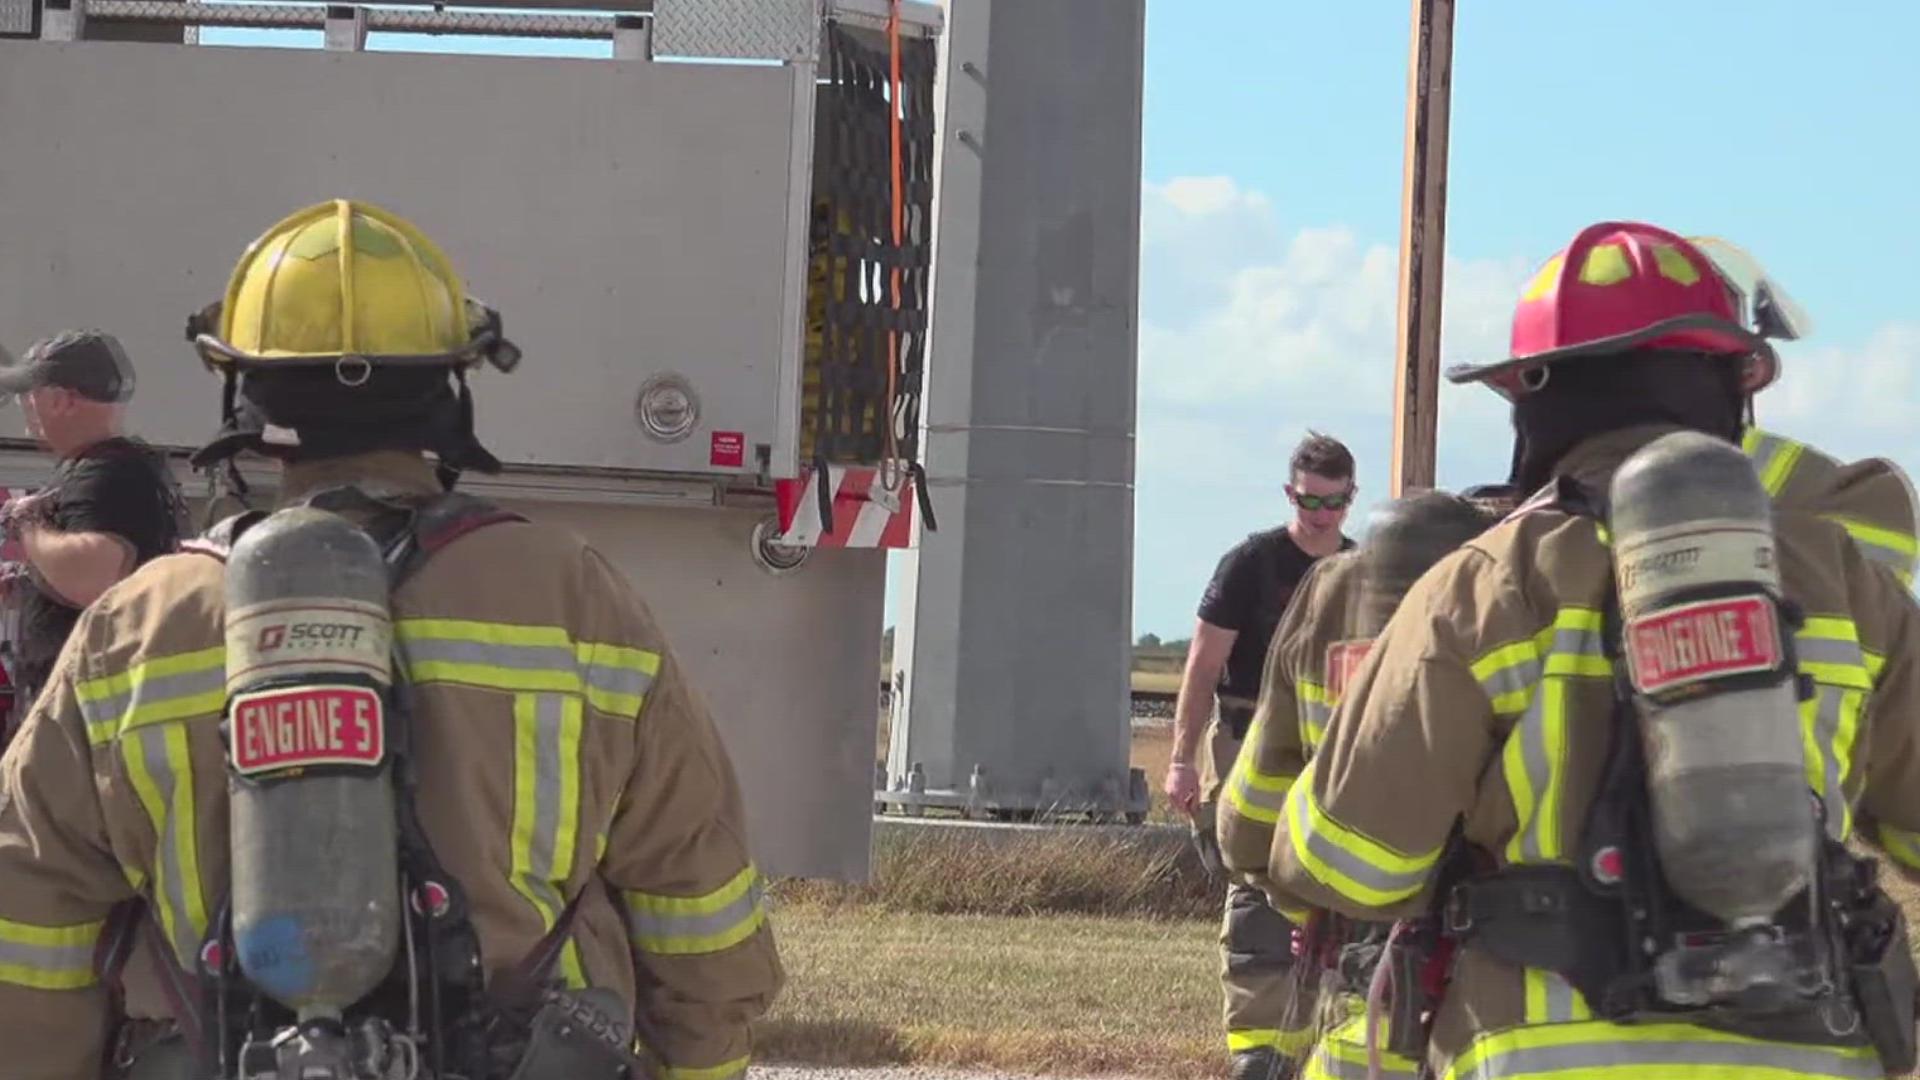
273,953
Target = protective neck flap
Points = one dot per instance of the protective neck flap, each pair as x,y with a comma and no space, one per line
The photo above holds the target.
304,414
1592,396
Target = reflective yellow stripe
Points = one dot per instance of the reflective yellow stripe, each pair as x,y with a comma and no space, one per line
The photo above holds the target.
1342,1054
1290,1043
161,771
1896,549
1551,999
1350,863
1316,708
1508,674
736,1067
1904,846
1828,649
164,688
546,809
528,659
1774,458
1533,675
1595,1049
687,925
1255,795
48,957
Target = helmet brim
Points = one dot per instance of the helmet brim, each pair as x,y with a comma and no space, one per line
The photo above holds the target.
1750,344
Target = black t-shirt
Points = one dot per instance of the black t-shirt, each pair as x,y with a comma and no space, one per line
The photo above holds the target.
1248,594
117,486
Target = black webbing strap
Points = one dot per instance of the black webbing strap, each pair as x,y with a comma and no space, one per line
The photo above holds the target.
846,419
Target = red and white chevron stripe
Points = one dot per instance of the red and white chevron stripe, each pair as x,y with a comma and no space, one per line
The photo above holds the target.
859,521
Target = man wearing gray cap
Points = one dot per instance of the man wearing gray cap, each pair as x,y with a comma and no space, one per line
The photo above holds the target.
111,504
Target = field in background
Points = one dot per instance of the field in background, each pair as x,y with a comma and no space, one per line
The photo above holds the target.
1069,954
1047,994
1065,952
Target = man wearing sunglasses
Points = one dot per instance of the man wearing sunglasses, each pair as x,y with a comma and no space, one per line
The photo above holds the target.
1239,610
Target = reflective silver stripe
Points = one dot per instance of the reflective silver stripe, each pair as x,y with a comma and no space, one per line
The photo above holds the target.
489,654
658,931
1313,723
1562,1006
161,788
591,667
1882,553
1774,458
47,957
146,699
1826,729
1532,733
1775,1058
1254,790
1512,679
1576,640
1393,885
1342,1055
546,801
650,925
1826,650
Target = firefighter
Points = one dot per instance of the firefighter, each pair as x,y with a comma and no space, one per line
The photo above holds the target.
1872,499
1326,631
570,781
1472,785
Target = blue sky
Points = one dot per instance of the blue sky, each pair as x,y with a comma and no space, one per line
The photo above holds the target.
1768,123
1273,141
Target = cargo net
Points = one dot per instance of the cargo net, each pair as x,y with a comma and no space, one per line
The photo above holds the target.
869,259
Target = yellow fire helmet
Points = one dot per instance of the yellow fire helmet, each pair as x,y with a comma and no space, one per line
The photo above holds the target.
350,285
316,304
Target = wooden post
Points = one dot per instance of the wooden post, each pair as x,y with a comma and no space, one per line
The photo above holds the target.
1423,229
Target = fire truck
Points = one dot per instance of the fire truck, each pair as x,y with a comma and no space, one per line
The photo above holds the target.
712,242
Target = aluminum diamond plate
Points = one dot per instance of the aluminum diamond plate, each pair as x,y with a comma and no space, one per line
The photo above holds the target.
737,29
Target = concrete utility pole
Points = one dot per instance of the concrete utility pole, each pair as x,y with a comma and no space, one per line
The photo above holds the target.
1015,655
1423,231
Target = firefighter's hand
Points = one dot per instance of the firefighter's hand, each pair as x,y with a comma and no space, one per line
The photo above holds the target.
1182,787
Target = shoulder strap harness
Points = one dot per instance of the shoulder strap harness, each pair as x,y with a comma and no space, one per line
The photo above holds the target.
1595,921
411,532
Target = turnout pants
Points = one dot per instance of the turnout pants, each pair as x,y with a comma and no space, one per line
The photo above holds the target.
1256,942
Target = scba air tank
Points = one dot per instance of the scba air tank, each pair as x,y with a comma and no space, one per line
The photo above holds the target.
1694,558
315,892
1404,539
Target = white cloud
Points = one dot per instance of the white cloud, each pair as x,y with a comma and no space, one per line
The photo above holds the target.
1252,332
1249,335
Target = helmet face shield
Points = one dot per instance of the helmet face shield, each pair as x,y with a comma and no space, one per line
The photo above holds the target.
1763,304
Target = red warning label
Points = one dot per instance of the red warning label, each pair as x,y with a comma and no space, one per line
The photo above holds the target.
1707,639
729,449
1343,662
301,726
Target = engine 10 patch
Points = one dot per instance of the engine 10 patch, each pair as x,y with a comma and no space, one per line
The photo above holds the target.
1706,639
298,727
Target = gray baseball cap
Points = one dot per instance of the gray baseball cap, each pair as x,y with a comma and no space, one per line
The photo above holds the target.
91,363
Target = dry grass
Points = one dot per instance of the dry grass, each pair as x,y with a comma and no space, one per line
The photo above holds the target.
1076,951
1038,994
1039,872
1162,682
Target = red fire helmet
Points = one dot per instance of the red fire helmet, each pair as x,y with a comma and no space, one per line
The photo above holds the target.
1624,285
